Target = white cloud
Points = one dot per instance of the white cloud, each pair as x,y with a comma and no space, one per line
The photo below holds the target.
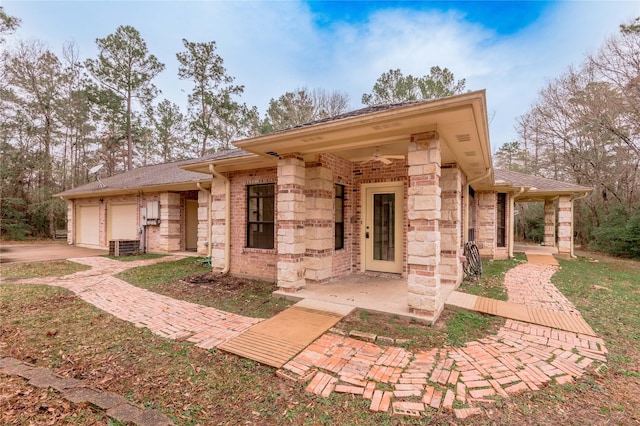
272,47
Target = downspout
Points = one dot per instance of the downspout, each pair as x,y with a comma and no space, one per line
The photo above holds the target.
227,219
573,256
208,191
466,210
512,220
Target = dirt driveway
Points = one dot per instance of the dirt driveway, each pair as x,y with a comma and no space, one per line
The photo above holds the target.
40,251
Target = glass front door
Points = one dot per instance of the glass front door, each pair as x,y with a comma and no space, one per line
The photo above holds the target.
383,228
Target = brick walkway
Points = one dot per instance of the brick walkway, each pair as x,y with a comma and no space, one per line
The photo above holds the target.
520,357
162,315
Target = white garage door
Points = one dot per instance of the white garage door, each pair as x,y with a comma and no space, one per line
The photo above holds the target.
122,220
88,225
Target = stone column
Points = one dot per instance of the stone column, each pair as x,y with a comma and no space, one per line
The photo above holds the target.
203,223
169,221
565,225
319,222
218,223
423,237
549,223
290,222
71,223
486,230
451,226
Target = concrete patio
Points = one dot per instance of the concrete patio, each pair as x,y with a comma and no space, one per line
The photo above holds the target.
386,295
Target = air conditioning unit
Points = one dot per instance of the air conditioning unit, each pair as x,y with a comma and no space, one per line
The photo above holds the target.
124,247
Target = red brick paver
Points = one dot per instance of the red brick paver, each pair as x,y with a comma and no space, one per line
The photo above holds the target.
520,357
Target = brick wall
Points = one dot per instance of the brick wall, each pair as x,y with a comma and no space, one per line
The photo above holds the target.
376,172
255,263
549,223
342,261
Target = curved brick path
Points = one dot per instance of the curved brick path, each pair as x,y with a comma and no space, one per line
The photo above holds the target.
520,357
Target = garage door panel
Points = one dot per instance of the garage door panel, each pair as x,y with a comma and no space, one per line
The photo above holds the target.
122,220
88,225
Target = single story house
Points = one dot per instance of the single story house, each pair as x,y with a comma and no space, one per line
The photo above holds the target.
389,189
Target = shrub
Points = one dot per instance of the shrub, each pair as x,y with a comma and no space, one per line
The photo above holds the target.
618,234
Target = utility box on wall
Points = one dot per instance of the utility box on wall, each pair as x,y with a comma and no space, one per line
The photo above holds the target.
153,213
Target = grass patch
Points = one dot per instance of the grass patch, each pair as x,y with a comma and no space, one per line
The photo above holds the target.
491,284
190,280
53,268
607,293
53,329
143,256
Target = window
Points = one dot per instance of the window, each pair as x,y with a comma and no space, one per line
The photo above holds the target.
502,220
260,216
339,228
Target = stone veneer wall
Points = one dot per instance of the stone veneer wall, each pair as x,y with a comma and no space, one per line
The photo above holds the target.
170,221
423,238
486,223
565,228
71,221
203,223
549,223
291,215
451,226
319,222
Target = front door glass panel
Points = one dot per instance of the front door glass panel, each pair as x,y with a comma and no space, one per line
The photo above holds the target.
384,227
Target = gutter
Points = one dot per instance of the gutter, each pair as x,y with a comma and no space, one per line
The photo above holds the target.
466,210
227,220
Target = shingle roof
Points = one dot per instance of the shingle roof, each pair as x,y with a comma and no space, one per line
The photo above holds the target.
355,113
541,184
158,174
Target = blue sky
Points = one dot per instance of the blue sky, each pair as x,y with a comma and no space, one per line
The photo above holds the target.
511,49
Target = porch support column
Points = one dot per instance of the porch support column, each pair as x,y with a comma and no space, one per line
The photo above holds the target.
423,236
71,222
565,225
451,226
203,223
218,220
290,222
170,221
487,228
319,222
549,223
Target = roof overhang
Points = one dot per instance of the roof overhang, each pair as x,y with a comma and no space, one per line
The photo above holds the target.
108,192
531,194
247,161
460,122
